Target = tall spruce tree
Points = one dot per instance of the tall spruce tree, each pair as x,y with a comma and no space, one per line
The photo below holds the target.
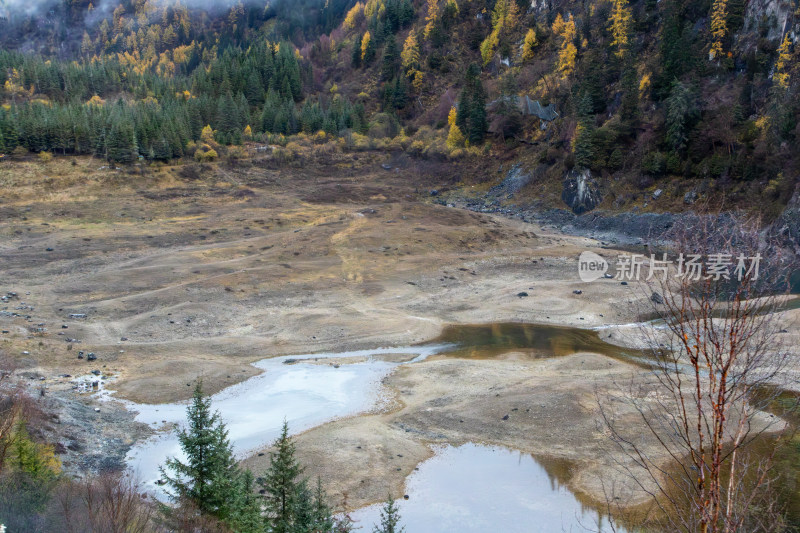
584,134
282,485
391,56
209,478
471,114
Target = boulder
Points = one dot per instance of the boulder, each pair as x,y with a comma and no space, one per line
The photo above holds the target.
656,298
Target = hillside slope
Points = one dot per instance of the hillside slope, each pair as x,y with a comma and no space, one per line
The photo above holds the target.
697,100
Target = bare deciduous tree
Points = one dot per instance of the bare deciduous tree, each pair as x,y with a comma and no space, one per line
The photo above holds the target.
717,366
107,503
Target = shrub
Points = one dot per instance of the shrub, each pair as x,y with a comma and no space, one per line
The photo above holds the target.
207,155
654,163
417,147
45,157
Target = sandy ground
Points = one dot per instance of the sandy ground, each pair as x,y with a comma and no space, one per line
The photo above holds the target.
182,278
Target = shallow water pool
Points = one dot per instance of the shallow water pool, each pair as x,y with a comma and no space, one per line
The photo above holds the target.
474,488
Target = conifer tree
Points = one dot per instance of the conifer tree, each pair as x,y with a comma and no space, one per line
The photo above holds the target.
390,59
620,27
390,518
245,514
719,28
679,112
567,53
355,58
121,142
782,77
410,53
529,45
471,113
281,485
367,48
455,138
432,17
209,478
583,147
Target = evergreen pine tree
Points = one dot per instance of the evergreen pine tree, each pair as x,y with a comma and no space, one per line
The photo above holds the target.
209,478
389,65
584,134
245,515
477,117
322,516
390,518
399,93
355,58
471,113
679,112
280,484
121,142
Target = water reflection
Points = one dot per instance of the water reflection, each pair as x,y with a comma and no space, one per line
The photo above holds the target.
474,488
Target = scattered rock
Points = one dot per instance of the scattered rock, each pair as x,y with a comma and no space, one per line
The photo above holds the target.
577,291
522,294
690,197
656,298
657,194
505,417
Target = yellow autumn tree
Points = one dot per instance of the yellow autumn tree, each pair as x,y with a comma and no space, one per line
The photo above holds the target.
416,81
86,44
455,138
353,16
529,45
432,17
410,53
365,44
248,133
620,27
567,52
489,46
782,77
505,16
207,135
719,27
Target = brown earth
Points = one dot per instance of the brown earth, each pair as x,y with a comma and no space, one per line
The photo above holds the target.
203,271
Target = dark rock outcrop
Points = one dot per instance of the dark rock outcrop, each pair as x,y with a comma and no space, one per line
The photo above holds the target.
581,192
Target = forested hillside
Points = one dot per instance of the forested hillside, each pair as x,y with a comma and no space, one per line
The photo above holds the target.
630,95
